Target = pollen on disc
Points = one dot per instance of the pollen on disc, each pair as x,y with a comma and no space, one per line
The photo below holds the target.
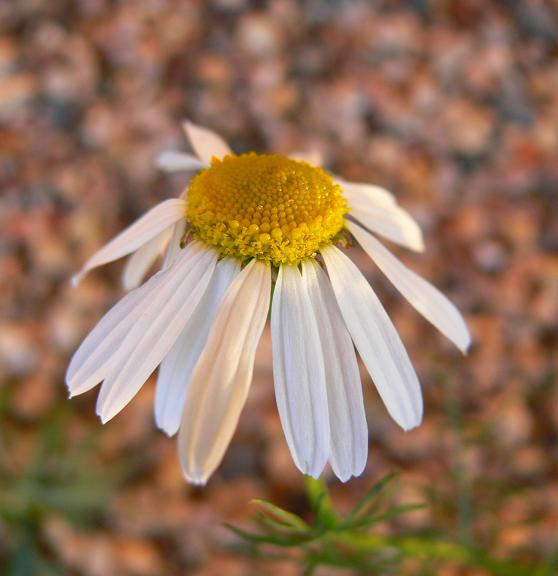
265,206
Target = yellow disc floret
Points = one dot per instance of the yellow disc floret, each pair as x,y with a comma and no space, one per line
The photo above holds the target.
265,206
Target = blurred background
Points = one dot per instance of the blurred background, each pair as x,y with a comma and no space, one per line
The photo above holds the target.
452,105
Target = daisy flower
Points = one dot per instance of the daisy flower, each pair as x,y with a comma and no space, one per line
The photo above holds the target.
250,233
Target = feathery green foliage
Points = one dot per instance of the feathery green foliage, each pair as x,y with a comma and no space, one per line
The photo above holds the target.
349,542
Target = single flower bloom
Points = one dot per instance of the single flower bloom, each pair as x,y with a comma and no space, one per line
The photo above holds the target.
245,223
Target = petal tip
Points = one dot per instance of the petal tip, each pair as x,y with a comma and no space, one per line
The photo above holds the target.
462,338
343,477
350,470
416,239
71,388
174,161
408,426
413,420
196,478
159,158
466,346
313,469
127,284
161,161
76,279
190,129
103,413
165,428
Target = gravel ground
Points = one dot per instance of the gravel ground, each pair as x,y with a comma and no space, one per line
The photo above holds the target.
452,105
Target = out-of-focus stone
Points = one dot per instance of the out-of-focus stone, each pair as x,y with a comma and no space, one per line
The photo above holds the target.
19,351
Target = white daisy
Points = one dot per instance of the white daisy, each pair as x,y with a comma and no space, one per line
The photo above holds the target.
247,222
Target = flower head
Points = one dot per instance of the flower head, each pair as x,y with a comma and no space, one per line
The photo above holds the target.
244,222
265,206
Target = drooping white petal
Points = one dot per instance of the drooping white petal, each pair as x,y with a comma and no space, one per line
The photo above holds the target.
356,192
376,339
156,330
141,231
299,373
223,374
427,299
347,420
141,260
89,363
206,143
174,161
173,249
177,366
388,220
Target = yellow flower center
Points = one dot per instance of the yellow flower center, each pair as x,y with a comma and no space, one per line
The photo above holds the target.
265,206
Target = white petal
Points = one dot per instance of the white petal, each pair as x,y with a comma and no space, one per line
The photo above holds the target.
89,363
174,161
223,374
427,299
298,372
376,339
355,192
141,260
347,420
157,329
313,156
173,249
206,144
177,366
141,231
387,219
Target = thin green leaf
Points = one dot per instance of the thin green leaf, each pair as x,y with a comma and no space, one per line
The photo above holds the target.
274,528
373,494
254,538
281,517
367,522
